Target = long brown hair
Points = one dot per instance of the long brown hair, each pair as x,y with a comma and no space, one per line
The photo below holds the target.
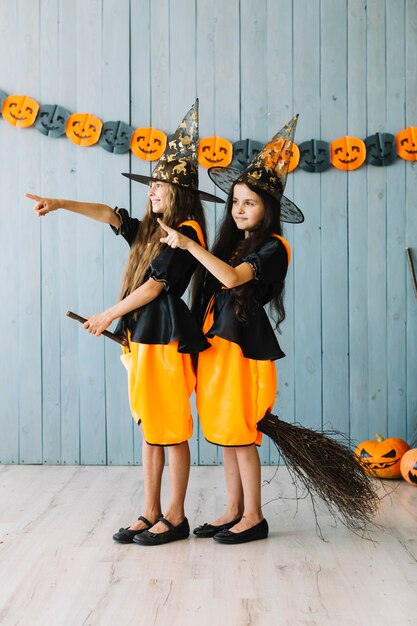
182,205
231,246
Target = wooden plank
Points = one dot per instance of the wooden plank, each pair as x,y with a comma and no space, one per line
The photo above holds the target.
28,265
254,93
307,236
280,109
141,115
9,247
90,245
182,89
334,227
411,217
50,249
208,454
358,227
70,230
377,233
396,228
116,106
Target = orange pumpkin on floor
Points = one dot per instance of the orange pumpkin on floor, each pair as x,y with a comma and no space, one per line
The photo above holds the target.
408,466
381,457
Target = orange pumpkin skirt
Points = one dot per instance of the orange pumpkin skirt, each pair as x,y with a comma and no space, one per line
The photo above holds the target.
160,382
233,392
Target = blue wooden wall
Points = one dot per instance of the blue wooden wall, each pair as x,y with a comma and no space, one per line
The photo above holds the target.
347,66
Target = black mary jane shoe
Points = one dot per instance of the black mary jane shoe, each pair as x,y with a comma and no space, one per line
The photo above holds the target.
259,531
209,530
125,535
174,533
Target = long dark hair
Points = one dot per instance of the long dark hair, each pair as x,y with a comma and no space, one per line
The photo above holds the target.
231,246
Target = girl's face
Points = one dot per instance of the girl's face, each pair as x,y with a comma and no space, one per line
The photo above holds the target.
158,194
248,210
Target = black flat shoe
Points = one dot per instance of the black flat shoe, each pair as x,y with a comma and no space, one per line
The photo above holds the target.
259,531
174,533
208,530
125,535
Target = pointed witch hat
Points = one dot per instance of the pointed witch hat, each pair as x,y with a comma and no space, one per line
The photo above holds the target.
178,165
268,171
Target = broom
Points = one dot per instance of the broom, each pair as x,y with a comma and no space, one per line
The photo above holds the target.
326,468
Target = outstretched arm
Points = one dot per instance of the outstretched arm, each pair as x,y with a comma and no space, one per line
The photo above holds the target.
99,212
229,276
138,298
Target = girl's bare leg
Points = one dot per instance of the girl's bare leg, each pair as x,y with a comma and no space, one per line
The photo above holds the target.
234,490
250,474
179,471
153,459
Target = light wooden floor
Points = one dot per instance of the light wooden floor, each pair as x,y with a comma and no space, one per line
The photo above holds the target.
59,565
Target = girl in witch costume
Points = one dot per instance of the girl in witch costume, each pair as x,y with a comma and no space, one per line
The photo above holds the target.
161,331
236,381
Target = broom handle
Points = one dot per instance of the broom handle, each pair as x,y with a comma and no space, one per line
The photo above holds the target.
411,268
106,333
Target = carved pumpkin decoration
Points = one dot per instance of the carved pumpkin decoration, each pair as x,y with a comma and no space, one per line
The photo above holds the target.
381,457
83,129
215,152
20,111
407,143
314,155
115,137
348,153
408,466
380,149
148,143
51,120
244,151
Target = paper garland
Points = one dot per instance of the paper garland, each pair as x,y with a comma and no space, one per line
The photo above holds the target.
85,129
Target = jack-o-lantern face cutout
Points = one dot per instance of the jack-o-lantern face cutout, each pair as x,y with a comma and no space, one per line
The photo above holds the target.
148,143
115,137
407,143
381,457
51,120
314,155
348,153
215,152
243,153
380,149
83,129
20,111
408,466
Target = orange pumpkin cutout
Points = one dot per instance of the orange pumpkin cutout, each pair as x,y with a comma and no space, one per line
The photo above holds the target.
382,457
20,111
408,466
348,153
406,142
215,152
148,143
294,157
83,129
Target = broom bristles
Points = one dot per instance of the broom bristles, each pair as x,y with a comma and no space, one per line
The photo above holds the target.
326,468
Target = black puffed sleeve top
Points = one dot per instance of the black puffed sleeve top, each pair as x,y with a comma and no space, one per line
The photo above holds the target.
167,318
256,337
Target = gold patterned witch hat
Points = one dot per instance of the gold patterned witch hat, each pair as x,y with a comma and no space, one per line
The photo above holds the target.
268,170
178,165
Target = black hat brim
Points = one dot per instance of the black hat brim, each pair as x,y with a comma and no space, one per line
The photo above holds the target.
225,177
204,195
